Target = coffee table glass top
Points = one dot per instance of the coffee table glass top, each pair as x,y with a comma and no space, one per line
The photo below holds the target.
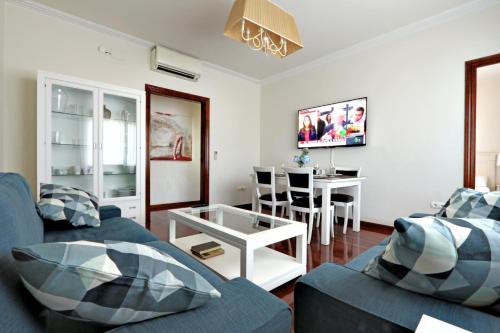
237,219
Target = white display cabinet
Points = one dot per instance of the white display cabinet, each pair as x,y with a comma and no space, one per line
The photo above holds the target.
91,136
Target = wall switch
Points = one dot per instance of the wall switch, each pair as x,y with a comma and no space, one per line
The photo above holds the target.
437,204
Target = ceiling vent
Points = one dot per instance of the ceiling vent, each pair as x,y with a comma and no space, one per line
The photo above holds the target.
173,63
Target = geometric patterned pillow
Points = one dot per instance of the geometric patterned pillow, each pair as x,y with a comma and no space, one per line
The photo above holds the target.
457,260
63,203
112,283
470,203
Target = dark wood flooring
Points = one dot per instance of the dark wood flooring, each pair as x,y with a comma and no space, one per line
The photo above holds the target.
342,248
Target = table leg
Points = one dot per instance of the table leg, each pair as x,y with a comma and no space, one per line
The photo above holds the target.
301,249
356,208
254,198
171,230
325,218
246,263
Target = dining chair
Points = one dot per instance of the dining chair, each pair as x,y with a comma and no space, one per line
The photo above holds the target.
265,179
300,194
344,200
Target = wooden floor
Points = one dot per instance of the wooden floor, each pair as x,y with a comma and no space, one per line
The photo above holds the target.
342,248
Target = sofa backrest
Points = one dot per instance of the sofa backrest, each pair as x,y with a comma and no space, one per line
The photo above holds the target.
19,225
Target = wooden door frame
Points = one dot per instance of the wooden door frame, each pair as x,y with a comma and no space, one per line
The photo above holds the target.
470,115
204,154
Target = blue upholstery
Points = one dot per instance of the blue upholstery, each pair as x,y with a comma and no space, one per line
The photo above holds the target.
117,228
19,226
243,308
333,298
109,211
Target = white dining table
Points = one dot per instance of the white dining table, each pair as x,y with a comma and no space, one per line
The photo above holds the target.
326,184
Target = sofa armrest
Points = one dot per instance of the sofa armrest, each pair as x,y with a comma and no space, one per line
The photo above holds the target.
419,215
333,298
109,211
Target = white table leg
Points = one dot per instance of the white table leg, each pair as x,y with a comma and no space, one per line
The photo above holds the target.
301,249
171,230
325,218
246,263
357,208
254,198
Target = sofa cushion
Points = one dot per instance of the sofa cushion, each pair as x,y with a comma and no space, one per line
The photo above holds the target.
466,202
62,204
453,259
243,308
118,229
112,283
20,225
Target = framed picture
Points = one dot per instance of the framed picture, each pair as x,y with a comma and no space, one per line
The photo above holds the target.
171,137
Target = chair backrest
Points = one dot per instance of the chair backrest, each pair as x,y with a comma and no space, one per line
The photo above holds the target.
264,178
299,181
346,171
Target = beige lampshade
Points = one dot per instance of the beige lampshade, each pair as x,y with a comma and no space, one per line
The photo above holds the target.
263,13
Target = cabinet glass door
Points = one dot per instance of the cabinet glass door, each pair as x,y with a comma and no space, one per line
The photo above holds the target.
120,143
72,161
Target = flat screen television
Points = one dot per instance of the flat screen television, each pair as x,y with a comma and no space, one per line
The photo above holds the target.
340,124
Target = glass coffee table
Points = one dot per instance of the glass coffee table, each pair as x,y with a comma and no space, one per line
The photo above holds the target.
244,236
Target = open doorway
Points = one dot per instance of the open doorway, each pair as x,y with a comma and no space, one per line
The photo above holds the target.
482,118
177,154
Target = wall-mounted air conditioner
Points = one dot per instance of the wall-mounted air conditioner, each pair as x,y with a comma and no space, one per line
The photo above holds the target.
174,63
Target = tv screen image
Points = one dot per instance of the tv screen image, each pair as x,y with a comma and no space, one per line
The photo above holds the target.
340,124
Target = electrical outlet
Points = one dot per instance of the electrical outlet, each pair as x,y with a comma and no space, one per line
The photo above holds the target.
437,204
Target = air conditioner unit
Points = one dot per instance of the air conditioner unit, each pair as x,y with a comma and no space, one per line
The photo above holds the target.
170,62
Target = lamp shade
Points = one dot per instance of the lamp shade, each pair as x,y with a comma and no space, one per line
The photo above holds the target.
263,14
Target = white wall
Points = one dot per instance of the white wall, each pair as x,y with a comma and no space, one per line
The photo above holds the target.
415,89
34,41
2,101
177,181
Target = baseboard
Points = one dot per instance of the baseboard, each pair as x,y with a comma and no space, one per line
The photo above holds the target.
365,225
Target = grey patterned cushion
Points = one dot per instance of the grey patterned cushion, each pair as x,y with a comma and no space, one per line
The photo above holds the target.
466,202
112,283
453,259
66,204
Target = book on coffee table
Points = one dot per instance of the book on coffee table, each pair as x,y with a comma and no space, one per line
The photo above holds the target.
205,247
210,254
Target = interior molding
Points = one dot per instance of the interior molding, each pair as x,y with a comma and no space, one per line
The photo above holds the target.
52,12
388,37
470,116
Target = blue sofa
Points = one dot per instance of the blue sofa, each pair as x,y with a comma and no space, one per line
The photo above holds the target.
334,298
243,307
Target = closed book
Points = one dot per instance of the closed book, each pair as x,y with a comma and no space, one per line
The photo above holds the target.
205,247
210,254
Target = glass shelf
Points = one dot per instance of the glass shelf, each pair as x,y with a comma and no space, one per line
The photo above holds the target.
69,145
71,114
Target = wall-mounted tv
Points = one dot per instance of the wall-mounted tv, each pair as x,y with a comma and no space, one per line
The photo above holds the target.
340,124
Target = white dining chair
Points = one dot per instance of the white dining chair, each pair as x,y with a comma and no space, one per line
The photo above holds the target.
344,200
265,179
300,193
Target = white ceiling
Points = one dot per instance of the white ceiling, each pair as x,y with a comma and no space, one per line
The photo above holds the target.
195,27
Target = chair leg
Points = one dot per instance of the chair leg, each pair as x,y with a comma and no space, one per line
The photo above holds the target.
311,223
303,217
332,225
346,218
273,210
336,219
318,218
259,209
282,211
291,215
